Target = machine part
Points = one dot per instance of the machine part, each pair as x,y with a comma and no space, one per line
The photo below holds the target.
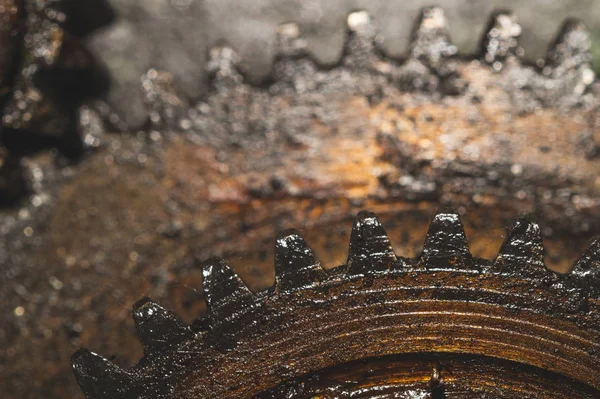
565,83
431,128
308,148
279,342
176,36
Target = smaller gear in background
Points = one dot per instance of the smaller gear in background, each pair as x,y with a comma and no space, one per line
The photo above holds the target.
45,74
176,35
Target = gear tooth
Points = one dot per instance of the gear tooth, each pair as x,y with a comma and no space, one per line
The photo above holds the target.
223,66
501,39
290,42
431,38
589,263
99,378
446,243
157,327
295,263
361,26
223,288
522,247
370,246
361,47
571,55
572,45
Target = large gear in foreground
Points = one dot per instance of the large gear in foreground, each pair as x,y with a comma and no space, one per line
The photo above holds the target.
442,325
308,149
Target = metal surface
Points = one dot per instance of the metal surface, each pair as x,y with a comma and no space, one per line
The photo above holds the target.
375,305
146,36
309,148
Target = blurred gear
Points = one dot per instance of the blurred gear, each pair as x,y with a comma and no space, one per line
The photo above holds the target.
45,74
305,136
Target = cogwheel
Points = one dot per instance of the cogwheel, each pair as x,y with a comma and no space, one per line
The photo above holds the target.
432,68
490,134
442,325
392,118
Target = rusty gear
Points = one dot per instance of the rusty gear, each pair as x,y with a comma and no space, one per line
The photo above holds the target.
375,305
480,317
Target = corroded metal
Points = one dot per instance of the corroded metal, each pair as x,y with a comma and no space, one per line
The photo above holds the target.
308,149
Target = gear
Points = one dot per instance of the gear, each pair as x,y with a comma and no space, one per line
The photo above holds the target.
512,313
491,135
180,34
431,63
563,81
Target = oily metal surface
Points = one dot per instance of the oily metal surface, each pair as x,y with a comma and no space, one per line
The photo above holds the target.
311,149
432,376
374,305
146,37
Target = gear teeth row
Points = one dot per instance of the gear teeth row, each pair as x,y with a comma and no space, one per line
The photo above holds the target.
522,246
296,267
432,48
